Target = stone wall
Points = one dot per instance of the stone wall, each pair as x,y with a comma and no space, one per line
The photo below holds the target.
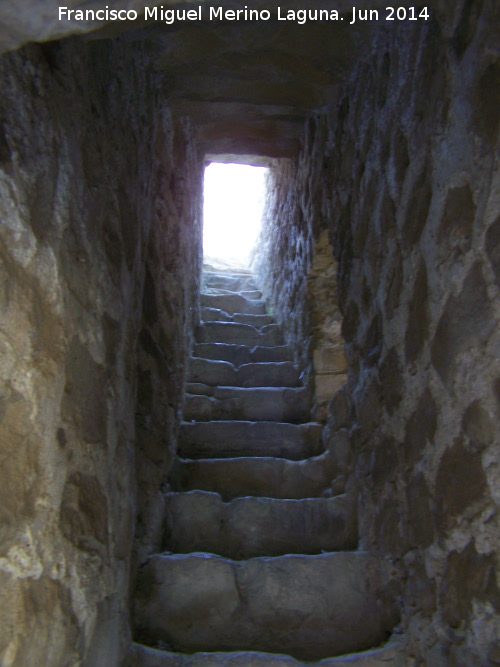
99,262
290,228
296,269
404,174
329,362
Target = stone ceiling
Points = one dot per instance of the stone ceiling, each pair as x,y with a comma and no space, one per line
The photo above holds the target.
247,86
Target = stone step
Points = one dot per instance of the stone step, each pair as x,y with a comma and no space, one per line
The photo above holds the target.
233,282
239,334
254,295
393,654
257,321
269,354
264,476
242,354
213,372
234,354
234,303
250,527
268,374
214,315
310,607
227,439
275,404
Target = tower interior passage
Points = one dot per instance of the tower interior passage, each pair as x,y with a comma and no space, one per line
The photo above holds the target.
271,461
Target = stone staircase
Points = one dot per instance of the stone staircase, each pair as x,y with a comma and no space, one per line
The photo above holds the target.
259,568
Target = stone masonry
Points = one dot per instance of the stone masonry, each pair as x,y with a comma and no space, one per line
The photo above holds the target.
258,561
403,177
380,262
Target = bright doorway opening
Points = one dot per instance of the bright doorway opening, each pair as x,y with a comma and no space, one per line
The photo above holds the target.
232,213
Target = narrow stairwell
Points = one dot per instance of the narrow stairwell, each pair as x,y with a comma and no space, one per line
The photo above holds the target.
259,568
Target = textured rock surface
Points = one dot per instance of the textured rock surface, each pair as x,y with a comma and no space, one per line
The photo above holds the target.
249,527
308,606
240,355
231,437
98,268
260,572
257,476
404,177
86,195
232,333
277,404
329,363
391,655
213,372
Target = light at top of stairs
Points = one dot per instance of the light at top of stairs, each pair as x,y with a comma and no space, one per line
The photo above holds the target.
232,213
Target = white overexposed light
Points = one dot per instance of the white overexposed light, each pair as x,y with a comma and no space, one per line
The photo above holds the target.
232,212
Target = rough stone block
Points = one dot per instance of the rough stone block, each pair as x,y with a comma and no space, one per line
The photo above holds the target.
469,576
478,426
330,360
211,372
493,248
276,354
486,101
467,322
84,513
390,373
256,476
234,303
250,404
239,334
392,653
459,483
420,519
418,318
283,374
250,527
327,385
310,607
234,354
229,281
215,439
455,230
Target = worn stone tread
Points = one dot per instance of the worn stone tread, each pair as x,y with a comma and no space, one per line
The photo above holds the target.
234,303
263,476
257,321
257,568
210,371
253,295
217,372
239,334
310,607
276,404
250,527
234,282
239,355
267,354
234,354
199,389
269,374
226,439
215,315
391,655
